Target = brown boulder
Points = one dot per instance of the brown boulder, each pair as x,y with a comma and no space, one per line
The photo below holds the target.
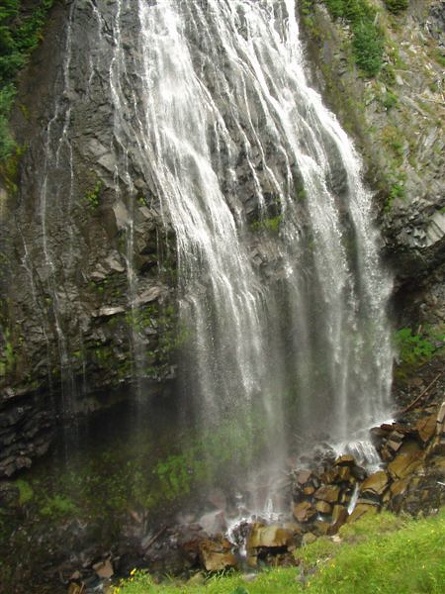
426,428
304,511
408,460
339,516
329,493
269,537
104,569
345,460
375,484
323,507
360,510
216,555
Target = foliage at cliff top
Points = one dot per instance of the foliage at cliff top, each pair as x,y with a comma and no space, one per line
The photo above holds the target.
21,24
367,37
379,553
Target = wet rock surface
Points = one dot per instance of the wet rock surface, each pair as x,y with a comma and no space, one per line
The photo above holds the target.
86,268
397,119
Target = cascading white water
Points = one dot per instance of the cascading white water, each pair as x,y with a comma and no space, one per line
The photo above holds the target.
281,287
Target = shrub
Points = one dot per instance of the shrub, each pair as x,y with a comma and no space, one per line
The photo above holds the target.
396,6
367,46
367,38
416,349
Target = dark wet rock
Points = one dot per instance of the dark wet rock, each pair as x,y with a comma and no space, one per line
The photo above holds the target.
9,495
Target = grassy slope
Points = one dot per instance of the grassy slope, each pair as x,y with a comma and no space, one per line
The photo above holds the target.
380,554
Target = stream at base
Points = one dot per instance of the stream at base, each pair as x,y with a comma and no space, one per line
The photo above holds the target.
114,480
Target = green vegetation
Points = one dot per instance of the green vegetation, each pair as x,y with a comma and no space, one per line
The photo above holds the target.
58,506
92,197
367,36
396,6
396,190
143,472
7,356
201,461
26,492
20,33
269,224
382,553
367,46
389,100
415,349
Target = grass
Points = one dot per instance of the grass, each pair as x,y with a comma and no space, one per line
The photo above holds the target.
382,554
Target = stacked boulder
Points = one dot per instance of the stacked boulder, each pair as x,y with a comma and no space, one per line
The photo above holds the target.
411,477
323,495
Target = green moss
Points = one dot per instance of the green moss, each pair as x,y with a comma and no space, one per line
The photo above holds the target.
7,144
391,138
26,492
9,164
7,356
20,33
396,190
58,506
230,445
268,224
92,197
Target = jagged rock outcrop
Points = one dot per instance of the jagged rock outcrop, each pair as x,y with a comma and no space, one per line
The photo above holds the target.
397,119
87,293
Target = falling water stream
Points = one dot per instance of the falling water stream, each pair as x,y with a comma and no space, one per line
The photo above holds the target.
281,288
282,295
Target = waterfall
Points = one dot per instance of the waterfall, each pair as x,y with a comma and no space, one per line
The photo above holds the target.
282,293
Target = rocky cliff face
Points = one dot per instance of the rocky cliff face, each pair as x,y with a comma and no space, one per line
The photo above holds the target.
88,277
397,119
86,245
88,274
